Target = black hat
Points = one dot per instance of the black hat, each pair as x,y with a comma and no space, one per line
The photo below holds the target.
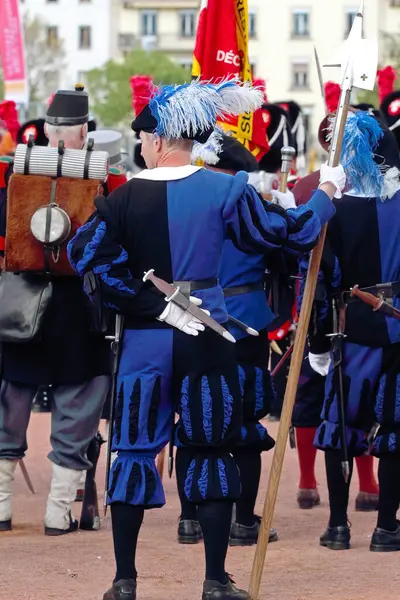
146,122
390,108
297,127
370,108
235,157
34,128
69,107
277,125
387,151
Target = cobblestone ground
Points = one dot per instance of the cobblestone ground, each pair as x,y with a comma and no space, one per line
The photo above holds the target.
80,566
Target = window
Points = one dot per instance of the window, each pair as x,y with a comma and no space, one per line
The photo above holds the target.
300,74
187,21
301,23
149,22
52,35
85,37
252,24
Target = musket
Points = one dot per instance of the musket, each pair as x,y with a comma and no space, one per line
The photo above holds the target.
378,304
173,294
287,154
116,350
337,338
359,66
90,517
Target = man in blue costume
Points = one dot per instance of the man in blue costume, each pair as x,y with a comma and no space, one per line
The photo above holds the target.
175,218
243,279
362,249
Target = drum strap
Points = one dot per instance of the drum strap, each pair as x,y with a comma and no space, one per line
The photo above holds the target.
48,249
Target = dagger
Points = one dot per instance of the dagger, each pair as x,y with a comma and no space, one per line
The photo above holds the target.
243,326
26,476
173,294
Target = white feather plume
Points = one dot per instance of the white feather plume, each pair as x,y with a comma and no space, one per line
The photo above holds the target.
209,152
391,183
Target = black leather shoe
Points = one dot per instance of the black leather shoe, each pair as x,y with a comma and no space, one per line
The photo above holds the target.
241,535
336,538
385,541
189,532
5,525
53,532
214,590
307,499
124,589
367,502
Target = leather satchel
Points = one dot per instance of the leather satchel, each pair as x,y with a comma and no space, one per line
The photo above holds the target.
24,299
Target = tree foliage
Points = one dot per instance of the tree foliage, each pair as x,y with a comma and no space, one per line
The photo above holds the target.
43,57
109,86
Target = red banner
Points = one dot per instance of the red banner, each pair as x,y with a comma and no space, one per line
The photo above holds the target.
12,52
222,50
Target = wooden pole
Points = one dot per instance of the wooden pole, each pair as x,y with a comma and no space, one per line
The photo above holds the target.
295,367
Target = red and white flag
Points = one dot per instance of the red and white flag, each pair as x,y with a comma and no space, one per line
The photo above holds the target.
12,52
222,50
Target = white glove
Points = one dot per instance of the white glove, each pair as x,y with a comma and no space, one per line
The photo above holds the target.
334,175
320,362
284,199
181,319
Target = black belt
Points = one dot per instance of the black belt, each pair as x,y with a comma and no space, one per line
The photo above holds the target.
244,289
386,291
186,287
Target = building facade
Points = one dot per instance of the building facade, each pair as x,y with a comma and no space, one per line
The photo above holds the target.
85,30
282,37
165,25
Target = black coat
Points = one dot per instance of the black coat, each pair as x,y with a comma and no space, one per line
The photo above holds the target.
67,353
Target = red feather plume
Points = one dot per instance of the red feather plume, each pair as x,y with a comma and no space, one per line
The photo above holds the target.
332,95
142,87
262,85
386,79
9,114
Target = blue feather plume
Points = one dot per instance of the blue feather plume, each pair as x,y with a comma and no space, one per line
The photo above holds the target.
361,139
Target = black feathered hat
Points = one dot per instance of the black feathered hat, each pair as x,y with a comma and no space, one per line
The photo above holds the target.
69,107
297,127
34,128
390,108
226,153
277,125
